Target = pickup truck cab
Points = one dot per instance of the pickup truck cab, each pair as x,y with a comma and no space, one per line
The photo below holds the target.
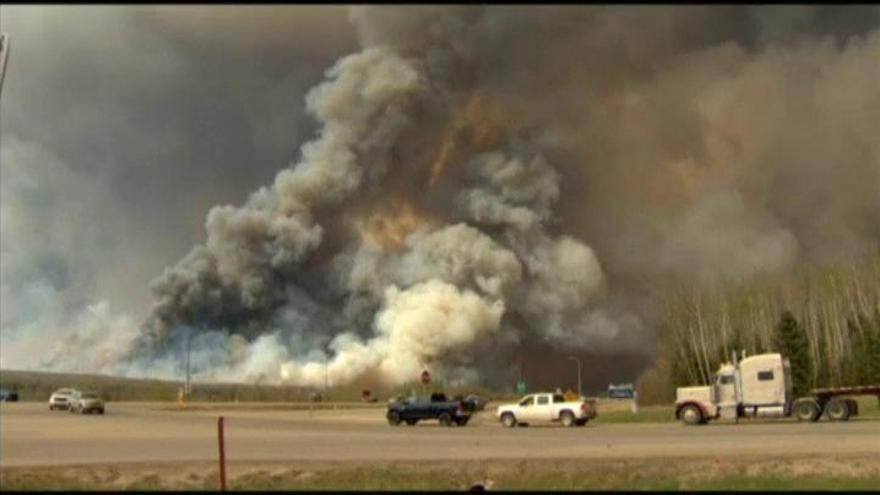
436,406
547,408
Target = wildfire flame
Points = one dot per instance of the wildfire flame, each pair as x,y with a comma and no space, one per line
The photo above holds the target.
388,229
477,126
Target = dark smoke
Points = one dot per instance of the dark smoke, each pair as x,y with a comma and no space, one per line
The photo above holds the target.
490,181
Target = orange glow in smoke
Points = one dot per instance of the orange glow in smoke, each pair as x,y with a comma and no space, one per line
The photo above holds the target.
477,127
389,229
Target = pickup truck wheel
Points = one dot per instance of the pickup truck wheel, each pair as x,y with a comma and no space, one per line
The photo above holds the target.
691,415
445,419
807,410
412,422
508,420
393,418
566,418
837,410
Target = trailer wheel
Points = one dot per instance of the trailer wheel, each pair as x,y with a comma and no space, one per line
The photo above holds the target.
691,415
853,407
807,410
837,410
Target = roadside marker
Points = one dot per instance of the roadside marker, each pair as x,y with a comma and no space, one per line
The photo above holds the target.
222,454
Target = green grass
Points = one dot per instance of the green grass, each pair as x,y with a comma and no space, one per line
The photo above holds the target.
853,473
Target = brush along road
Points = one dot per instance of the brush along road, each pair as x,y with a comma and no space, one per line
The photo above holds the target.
131,432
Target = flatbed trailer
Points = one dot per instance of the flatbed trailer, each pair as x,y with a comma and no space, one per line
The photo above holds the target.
836,402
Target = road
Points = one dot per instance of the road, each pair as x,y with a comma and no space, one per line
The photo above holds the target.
31,435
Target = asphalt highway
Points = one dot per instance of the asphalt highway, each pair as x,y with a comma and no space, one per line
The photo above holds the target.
31,435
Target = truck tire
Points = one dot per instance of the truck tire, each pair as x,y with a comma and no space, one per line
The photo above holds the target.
508,420
445,419
853,407
837,410
393,418
691,415
411,422
806,410
566,418
581,422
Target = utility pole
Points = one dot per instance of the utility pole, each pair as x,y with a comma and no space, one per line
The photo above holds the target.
4,58
189,338
580,393
326,370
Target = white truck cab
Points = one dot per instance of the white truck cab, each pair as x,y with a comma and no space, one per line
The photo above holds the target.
547,408
757,385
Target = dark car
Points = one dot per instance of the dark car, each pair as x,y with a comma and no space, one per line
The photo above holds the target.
435,406
8,395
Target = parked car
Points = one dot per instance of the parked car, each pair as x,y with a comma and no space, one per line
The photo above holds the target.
436,406
86,403
546,407
60,399
7,395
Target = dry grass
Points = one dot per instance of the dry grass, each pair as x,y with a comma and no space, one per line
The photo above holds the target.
853,472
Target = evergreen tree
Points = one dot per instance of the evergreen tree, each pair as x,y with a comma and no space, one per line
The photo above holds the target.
822,366
791,341
866,351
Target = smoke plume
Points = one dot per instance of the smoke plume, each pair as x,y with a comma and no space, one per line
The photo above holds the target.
488,180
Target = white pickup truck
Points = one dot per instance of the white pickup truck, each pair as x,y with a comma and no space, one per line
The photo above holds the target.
536,408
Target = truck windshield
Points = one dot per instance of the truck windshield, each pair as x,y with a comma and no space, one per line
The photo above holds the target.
528,401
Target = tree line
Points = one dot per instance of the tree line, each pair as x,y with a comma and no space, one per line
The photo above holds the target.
825,320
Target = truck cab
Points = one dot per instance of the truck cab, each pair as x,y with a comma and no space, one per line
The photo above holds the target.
756,386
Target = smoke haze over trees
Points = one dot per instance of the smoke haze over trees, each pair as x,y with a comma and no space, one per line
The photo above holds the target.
456,188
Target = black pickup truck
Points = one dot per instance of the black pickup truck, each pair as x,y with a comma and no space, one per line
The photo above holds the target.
436,406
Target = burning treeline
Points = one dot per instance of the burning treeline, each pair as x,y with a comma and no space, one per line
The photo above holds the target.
486,177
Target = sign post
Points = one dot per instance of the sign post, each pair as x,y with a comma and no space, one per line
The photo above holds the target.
426,379
521,387
222,448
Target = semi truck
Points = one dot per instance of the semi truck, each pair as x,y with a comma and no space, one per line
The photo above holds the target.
761,385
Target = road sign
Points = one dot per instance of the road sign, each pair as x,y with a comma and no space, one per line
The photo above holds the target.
426,377
521,387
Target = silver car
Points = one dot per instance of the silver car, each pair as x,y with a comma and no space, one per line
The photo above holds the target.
86,403
60,399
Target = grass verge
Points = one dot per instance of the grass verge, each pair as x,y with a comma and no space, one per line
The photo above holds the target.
792,473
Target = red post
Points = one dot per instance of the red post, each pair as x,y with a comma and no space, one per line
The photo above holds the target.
222,454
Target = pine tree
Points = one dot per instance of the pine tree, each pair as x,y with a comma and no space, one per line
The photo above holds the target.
791,341
822,366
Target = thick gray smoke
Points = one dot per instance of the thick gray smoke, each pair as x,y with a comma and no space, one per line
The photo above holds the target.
491,179
411,240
